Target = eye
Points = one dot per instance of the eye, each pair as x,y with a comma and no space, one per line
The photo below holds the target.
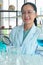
30,12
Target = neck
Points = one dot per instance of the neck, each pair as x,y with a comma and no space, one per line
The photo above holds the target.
27,26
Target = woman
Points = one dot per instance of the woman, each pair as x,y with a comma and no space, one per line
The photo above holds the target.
24,37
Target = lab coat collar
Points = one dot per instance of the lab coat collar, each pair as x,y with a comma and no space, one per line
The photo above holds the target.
28,37
31,33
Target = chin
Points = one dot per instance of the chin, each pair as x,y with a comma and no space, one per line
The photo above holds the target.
27,22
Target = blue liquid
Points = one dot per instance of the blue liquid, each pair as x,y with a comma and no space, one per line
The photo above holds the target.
2,46
40,42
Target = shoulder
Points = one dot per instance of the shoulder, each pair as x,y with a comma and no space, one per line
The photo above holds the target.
37,32
16,29
38,29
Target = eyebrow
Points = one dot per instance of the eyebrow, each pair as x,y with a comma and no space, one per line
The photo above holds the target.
28,10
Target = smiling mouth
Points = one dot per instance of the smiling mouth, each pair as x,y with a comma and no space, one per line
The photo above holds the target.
27,20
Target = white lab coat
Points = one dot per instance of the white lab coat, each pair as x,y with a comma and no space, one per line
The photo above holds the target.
28,46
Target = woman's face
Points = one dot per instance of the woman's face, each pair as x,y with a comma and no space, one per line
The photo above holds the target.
28,14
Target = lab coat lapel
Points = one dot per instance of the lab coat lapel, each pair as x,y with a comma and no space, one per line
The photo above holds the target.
27,46
30,35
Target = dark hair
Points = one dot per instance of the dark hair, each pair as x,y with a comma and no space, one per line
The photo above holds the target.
35,22
34,7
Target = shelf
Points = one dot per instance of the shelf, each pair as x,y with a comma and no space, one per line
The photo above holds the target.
5,28
8,11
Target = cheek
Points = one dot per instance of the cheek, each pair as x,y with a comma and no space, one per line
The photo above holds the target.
22,17
33,17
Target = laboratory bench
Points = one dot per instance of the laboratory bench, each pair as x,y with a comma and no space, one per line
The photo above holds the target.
9,55
21,60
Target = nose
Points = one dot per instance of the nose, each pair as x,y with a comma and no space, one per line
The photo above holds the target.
26,14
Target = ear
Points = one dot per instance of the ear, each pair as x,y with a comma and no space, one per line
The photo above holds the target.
36,15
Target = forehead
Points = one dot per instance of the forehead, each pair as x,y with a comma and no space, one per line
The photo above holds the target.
28,7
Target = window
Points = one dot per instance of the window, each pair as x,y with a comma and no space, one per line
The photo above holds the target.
33,1
39,4
12,20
